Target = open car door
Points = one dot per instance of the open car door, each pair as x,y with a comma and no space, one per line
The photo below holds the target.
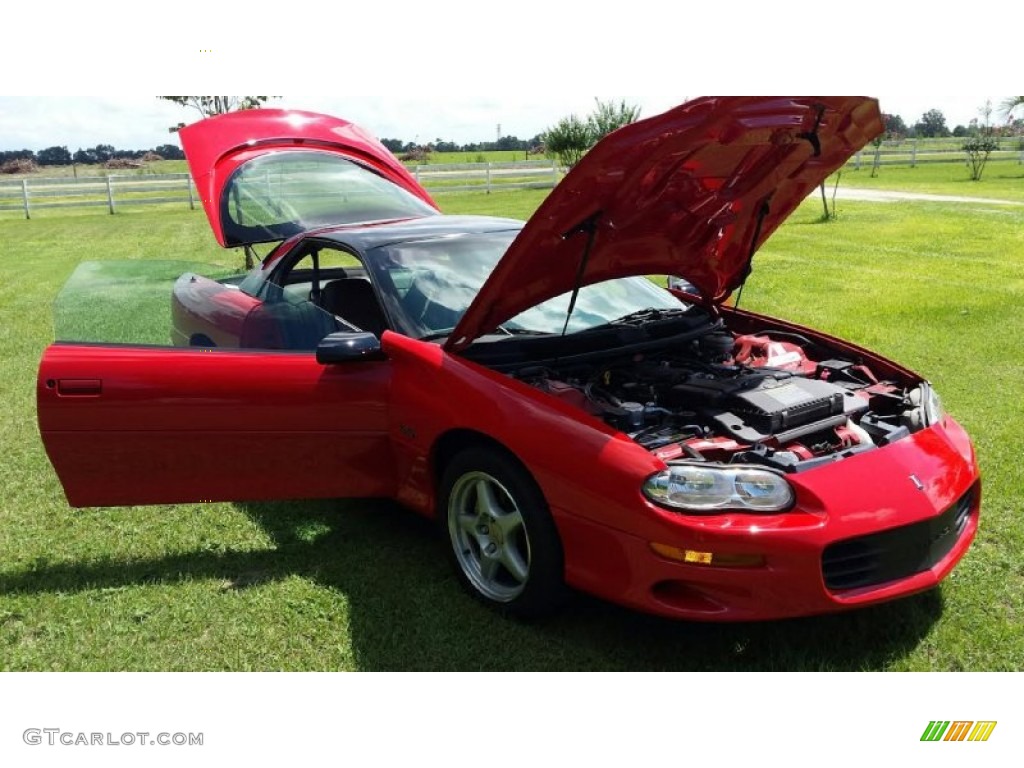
130,423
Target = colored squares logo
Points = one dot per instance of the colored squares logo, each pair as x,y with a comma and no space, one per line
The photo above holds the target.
958,730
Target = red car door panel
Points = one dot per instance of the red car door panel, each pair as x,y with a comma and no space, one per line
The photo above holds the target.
138,425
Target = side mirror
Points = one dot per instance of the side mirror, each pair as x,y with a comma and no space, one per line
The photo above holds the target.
346,347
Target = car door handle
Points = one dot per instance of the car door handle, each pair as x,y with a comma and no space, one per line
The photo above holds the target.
79,387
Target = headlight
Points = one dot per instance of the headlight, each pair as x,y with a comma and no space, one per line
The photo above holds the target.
698,488
931,404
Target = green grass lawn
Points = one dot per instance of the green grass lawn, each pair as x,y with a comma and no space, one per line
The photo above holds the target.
363,584
1001,180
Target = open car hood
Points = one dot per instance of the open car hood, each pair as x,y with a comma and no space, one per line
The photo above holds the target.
268,174
692,192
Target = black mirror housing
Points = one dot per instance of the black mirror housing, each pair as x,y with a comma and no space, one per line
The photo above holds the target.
344,347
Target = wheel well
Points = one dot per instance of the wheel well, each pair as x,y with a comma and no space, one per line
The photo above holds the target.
201,340
457,440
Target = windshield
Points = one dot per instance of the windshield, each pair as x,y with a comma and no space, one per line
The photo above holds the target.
432,283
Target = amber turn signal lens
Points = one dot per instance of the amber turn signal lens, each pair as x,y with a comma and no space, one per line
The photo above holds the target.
696,557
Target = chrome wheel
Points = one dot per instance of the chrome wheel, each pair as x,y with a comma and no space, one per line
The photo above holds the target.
489,539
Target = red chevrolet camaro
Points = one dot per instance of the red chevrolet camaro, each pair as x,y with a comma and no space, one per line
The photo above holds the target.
567,422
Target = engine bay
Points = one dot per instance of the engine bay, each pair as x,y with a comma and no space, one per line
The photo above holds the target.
772,398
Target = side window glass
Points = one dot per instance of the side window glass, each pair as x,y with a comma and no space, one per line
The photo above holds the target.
186,304
346,292
128,301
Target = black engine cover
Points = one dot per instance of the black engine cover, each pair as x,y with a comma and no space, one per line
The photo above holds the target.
786,409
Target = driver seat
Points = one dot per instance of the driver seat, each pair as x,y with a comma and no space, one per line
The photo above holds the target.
353,299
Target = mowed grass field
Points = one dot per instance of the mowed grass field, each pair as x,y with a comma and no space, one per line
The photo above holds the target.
1001,180
362,584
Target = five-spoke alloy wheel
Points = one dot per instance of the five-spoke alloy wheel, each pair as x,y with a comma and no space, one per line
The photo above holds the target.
502,540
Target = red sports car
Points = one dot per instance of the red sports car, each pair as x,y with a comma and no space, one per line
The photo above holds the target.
567,422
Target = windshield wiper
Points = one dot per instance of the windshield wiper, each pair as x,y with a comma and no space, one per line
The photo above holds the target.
648,314
638,318
437,334
500,329
522,331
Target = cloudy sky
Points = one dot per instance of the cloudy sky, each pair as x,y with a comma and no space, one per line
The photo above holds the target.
141,121
456,69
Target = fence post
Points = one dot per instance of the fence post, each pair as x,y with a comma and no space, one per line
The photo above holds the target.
110,196
24,196
191,199
856,164
488,178
913,155
554,173
416,173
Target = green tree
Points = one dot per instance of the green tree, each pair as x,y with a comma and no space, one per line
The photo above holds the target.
102,152
895,128
932,124
170,152
609,116
568,139
571,137
53,156
207,106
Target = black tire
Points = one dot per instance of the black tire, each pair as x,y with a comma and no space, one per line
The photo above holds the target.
499,534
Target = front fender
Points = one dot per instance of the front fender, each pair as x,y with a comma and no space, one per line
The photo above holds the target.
579,462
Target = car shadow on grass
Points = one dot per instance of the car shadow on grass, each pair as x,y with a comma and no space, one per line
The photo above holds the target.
406,611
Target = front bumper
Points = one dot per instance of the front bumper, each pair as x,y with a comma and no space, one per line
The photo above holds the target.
867,529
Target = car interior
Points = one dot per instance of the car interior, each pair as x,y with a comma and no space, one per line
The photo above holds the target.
325,283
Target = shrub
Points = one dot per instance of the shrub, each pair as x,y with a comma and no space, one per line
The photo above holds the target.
978,149
567,140
20,165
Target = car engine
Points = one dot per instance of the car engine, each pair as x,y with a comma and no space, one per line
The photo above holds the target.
756,398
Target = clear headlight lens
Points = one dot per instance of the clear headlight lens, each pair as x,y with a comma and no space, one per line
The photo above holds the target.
932,405
697,488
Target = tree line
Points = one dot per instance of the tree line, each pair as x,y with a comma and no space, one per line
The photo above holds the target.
933,124
398,146
101,153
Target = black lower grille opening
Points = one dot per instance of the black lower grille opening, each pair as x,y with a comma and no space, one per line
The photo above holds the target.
897,552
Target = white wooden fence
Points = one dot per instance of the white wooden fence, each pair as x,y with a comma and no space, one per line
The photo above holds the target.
914,152
29,194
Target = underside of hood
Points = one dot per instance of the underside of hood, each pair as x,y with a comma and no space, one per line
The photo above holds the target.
692,192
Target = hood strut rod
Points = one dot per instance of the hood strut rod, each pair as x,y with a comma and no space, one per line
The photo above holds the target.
765,208
812,135
588,225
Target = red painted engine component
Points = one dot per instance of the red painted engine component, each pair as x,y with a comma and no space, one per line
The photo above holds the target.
761,351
